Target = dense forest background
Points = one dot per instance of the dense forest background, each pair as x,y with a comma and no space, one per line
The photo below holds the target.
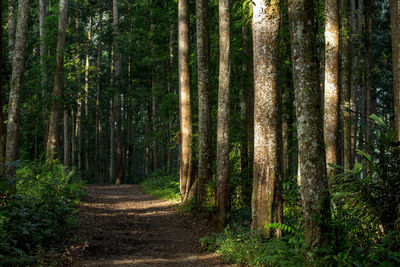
279,114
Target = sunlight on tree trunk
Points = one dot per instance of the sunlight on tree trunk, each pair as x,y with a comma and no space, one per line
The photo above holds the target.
224,78
266,199
18,67
314,182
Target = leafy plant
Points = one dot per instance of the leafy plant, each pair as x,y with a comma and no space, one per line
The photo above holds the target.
41,209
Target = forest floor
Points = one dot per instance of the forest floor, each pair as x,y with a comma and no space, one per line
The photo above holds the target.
122,226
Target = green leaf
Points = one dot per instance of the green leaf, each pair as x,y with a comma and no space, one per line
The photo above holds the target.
377,120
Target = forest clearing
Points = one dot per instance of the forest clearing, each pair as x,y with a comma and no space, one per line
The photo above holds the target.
262,133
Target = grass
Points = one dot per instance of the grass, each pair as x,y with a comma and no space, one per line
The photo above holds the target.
161,185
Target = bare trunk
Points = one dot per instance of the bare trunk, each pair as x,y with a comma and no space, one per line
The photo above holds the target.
204,86
185,168
18,64
2,130
314,182
98,167
224,79
58,82
11,29
43,68
345,83
331,99
67,150
367,75
87,65
117,103
73,138
112,141
267,169
395,23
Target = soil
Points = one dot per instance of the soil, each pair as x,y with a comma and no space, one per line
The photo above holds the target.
122,226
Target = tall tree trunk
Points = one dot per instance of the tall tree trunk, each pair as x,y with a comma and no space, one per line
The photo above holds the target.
314,182
117,103
98,157
185,168
345,83
43,68
67,150
73,138
11,29
112,141
58,82
87,65
224,79
267,197
369,106
18,65
395,23
331,99
204,86
2,130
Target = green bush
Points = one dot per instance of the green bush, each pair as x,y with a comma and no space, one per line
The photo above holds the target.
243,246
40,209
162,185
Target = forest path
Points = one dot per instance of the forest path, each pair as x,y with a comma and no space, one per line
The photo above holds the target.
125,227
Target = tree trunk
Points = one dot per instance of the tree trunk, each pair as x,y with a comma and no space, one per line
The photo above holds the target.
11,30
117,103
369,106
98,157
314,182
87,65
43,67
331,99
395,23
267,170
18,64
58,82
204,86
67,150
345,83
2,130
224,79
185,168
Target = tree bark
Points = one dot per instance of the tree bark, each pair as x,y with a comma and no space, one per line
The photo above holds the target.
98,157
87,66
117,101
2,130
43,68
18,64
395,23
345,83
267,170
58,82
222,197
204,86
314,182
331,99
185,168
67,150
11,30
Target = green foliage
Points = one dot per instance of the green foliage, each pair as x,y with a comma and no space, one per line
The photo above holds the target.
162,185
42,208
243,246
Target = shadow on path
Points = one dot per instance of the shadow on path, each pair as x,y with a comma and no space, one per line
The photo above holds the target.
125,227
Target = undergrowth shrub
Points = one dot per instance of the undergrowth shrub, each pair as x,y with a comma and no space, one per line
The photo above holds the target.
162,185
241,245
37,212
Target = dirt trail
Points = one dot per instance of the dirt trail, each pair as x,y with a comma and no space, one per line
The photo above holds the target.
125,227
